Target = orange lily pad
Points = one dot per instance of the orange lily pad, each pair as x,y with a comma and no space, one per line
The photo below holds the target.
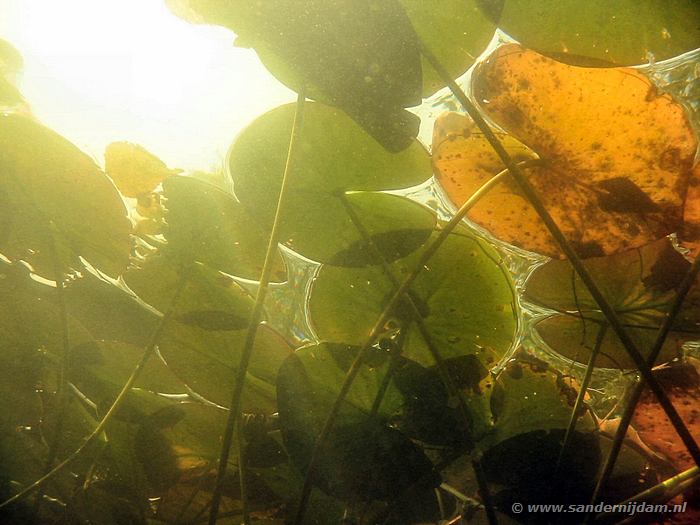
134,170
690,233
682,383
616,155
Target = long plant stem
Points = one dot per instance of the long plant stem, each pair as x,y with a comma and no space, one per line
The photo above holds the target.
668,489
116,404
580,398
449,383
661,492
234,416
354,369
459,496
386,380
484,491
65,362
568,250
626,418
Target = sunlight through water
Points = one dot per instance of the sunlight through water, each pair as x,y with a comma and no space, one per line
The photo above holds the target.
99,71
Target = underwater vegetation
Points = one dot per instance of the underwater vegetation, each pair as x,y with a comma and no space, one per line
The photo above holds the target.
348,324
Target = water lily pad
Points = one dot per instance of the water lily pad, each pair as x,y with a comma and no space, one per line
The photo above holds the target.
364,457
109,310
598,32
465,296
335,157
639,284
359,55
202,343
205,289
32,325
682,382
690,233
531,405
207,362
617,154
531,396
11,61
523,471
455,31
135,170
11,64
463,161
210,225
50,192
9,95
101,369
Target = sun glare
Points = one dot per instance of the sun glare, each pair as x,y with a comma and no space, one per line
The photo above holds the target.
99,71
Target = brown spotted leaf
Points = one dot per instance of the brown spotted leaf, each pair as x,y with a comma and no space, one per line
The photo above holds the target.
690,234
617,155
682,384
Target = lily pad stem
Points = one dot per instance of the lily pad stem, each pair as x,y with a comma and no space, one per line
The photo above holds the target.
62,389
576,410
664,491
233,421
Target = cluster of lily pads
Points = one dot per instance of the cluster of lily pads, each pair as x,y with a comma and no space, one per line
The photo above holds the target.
134,336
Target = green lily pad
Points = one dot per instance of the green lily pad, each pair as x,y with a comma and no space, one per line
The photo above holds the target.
464,294
202,342
575,338
11,63
599,32
364,456
530,396
210,225
178,438
359,55
531,405
335,157
639,284
9,95
455,31
109,310
207,362
527,469
51,192
21,369
205,290
100,370
162,442
429,415
31,351
523,471
32,325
